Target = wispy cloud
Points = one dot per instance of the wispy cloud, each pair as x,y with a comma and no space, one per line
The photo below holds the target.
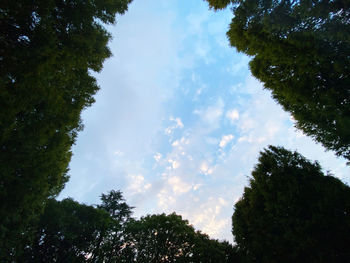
212,114
179,121
232,115
225,140
177,124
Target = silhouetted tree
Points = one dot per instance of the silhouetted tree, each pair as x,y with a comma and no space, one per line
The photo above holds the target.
68,231
209,250
169,238
47,50
292,212
112,243
301,52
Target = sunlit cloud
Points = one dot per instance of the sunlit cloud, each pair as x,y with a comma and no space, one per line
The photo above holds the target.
205,169
179,121
174,164
138,184
157,157
212,114
232,115
177,125
225,140
178,186
207,216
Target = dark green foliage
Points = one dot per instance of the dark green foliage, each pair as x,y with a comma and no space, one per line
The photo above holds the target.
71,232
67,232
112,243
47,50
219,4
301,52
160,238
115,205
212,250
292,212
169,238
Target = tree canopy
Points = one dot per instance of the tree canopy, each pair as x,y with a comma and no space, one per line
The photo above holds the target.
292,212
112,243
47,52
301,52
169,238
68,231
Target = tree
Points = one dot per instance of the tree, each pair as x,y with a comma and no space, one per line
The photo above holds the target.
212,250
48,49
169,238
300,50
67,232
292,212
111,244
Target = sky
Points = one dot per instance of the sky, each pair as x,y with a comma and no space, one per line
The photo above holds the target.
179,121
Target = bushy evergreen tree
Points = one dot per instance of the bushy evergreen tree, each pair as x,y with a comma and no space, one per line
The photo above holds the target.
292,212
301,52
48,49
169,238
68,231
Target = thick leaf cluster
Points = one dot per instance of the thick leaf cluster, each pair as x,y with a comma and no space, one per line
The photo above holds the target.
68,231
301,52
169,238
47,52
292,212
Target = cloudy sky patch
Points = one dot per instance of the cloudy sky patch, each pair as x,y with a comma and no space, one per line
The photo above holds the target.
179,121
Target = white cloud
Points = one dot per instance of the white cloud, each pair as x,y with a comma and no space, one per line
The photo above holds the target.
223,202
178,185
175,143
174,164
232,115
157,157
137,184
178,121
178,125
196,187
205,169
247,123
118,153
147,186
180,143
165,199
207,217
212,114
225,140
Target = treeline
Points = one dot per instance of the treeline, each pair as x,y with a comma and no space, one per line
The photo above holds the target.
68,231
290,212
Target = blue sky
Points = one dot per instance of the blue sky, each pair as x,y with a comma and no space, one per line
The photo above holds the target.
179,121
